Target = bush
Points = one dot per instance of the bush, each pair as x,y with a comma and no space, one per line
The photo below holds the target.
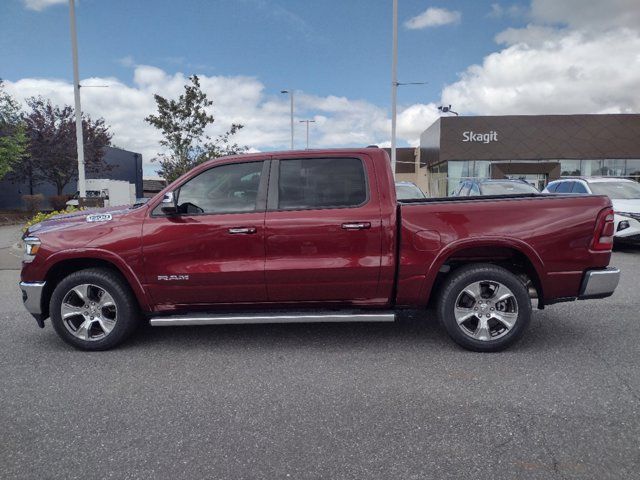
33,203
58,202
40,216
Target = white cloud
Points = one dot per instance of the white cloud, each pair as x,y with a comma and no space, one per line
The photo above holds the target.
39,5
514,11
127,61
339,121
581,14
433,17
576,57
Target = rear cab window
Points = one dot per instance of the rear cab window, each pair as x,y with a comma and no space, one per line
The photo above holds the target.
319,183
564,187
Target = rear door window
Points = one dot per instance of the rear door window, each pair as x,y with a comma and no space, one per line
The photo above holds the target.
315,183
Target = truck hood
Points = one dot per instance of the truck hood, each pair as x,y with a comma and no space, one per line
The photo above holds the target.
630,205
88,217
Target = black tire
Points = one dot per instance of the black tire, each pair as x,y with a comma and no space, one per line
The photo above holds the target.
127,318
458,281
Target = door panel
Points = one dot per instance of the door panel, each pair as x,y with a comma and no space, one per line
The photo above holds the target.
205,258
317,254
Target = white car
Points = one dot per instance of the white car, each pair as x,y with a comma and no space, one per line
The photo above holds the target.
624,195
408,191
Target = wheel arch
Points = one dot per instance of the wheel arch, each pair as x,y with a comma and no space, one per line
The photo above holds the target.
512,254
62,267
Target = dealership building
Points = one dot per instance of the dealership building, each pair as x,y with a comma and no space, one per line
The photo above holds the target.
536,148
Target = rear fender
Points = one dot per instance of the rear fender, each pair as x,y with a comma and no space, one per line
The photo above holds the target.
459,245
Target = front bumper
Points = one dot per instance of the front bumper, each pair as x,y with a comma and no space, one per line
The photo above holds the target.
631,232
599,283
32,299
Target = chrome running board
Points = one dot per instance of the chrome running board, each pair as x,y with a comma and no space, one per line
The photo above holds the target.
251,318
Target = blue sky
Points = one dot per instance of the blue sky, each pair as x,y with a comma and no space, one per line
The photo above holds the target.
330,47
482,56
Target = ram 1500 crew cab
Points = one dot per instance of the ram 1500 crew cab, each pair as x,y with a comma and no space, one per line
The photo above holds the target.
314,236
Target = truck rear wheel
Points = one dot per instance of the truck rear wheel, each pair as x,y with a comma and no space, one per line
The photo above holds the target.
93,309
484,307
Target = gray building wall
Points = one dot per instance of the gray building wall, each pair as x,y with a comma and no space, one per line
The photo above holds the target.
125,165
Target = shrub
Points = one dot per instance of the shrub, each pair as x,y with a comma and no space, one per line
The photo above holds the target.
58,202
40,216
33,203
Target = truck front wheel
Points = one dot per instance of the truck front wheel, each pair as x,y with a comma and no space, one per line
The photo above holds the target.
484,307
93,309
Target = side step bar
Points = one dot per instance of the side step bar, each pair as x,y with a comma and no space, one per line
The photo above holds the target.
289,317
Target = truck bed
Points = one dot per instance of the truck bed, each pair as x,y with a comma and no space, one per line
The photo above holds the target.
551,233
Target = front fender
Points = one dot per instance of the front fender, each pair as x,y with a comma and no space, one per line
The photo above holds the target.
122,265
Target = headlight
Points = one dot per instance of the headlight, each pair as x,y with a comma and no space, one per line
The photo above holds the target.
31,247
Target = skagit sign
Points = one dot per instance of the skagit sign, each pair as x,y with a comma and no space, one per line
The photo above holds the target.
471,136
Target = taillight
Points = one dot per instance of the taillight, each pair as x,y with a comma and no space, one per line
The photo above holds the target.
603,234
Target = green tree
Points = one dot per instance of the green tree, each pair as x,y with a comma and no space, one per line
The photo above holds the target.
52,144
13,140
183,123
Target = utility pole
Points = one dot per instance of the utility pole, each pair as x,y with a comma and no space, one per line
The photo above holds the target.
76,96
290,92
394,86
307,122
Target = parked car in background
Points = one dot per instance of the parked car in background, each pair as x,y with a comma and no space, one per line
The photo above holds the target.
408,191
624,195
314,236
478,187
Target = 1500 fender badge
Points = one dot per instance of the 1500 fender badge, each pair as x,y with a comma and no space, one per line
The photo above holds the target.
99,217
173,277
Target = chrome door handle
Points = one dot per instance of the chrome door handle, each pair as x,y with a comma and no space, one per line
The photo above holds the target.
356,226
242,230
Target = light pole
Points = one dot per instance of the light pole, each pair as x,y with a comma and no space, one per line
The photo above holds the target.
394,86
307,122
290,92
76,96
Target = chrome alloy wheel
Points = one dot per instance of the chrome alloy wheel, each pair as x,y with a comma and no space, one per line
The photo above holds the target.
486,310
88,312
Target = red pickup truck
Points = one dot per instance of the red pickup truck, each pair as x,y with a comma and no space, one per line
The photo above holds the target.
314,236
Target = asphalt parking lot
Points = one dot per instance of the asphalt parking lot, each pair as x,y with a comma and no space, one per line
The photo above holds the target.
328,400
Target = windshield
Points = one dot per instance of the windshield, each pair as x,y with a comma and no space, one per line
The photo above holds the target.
408,192
617,190
507,188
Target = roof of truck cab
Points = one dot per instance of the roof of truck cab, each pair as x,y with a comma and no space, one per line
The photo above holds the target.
302,153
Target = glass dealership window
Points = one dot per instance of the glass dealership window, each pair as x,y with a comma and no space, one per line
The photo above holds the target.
570,168
610,167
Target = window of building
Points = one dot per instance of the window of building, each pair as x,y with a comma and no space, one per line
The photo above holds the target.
321,183
570,168
229,188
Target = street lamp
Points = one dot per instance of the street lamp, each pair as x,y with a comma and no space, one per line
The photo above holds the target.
290,92
394,86
82,192
307,122
445,109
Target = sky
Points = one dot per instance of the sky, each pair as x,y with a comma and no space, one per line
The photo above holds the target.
482,57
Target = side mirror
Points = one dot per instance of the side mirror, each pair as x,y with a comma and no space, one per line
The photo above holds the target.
169,205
